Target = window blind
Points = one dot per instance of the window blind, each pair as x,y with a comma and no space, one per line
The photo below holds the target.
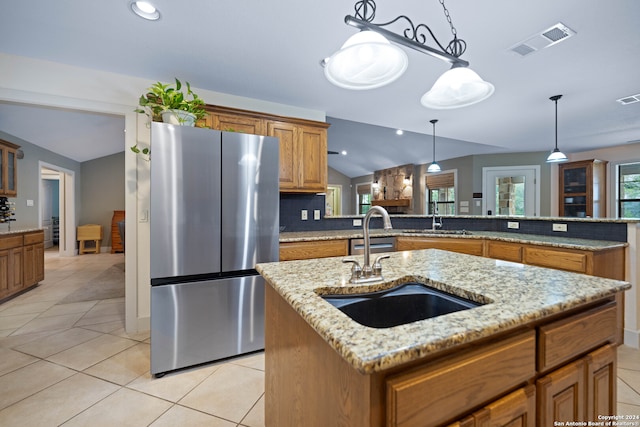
443,180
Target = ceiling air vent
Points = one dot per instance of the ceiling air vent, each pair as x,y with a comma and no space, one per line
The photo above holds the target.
629,99
543,39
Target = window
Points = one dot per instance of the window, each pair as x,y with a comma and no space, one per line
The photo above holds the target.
364,198
441,190
629,190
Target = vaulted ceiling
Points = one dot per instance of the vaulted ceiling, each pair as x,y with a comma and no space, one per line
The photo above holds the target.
271,51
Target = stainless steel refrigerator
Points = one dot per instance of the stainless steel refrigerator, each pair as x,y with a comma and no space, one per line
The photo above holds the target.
214,215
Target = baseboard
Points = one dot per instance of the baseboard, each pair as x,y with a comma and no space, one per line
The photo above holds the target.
632,338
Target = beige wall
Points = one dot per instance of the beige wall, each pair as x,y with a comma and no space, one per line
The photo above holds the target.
102,192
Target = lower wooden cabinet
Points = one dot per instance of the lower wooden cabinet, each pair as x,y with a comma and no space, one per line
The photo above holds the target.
579,391
313,249
465,246
517,409
21,262
607,263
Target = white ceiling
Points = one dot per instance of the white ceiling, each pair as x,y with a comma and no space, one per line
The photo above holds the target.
271,51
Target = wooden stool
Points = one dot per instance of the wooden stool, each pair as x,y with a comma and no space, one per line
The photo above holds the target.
89,232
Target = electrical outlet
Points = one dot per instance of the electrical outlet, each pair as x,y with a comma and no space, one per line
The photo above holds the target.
316,214
357,223
304,214
513,224
559,227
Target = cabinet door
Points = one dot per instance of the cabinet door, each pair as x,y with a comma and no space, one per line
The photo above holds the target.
4,274
312,144
561,395
505,251
517,409
465,246
16,262
38,263
232,123
29,265
289,161
601,382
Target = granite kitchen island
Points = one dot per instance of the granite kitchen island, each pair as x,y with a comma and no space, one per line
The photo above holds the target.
538,330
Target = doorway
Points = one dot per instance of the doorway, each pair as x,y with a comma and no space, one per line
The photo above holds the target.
58,202
333,200
511,190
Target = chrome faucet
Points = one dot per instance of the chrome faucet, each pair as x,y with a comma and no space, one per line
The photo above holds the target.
434,223
369,272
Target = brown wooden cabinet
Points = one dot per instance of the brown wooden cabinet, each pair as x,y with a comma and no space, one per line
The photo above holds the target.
8,169
583,189
465,246
303,144
517,409
21,262
313,249
303,156
607,262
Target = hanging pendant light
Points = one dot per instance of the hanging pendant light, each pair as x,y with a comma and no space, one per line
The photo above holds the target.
434,167
556,155
366,60
457,87
371,59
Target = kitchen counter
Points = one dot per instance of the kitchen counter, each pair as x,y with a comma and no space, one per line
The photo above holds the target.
515,295
20,230
553,241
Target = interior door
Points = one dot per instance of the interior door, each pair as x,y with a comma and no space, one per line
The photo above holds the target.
511,191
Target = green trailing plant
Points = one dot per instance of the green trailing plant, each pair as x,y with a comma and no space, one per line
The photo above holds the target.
145,151
163,97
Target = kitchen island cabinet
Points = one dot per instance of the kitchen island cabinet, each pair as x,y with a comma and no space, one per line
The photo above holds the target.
505,360
21,261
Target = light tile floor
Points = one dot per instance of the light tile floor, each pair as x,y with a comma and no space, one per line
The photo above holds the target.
74,365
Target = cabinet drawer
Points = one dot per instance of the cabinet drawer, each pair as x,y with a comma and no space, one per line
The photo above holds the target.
505,251
313,249
562,340
30,239
10,242
563,260
459,383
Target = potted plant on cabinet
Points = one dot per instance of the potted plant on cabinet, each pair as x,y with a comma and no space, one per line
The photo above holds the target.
167,103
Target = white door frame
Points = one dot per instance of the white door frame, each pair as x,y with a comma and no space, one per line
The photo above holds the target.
511,171
67,201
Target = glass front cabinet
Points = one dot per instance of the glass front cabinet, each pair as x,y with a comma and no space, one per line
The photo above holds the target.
8,169
582,189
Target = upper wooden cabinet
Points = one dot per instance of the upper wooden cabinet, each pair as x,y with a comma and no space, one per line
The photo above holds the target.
582,189
303,144
8,169
303,156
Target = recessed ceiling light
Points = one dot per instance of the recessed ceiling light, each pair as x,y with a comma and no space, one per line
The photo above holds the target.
145,10
399,132
343,152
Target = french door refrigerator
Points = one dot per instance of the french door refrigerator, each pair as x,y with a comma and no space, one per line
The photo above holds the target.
214,215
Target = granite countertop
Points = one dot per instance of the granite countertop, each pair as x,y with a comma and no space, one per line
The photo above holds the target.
559,242
19,230
516,294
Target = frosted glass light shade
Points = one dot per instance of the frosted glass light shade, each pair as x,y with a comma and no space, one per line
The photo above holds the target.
433,167
366,60
556,156
458,87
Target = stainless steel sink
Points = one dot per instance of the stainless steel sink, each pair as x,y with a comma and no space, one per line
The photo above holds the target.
430,231
404,304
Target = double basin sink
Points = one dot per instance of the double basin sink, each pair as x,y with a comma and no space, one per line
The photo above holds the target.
404,304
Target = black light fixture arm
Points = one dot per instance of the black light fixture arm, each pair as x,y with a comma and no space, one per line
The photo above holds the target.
555,98
413,36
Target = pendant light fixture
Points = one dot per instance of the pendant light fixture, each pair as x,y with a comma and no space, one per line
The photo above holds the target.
556,155
369,60
434,167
